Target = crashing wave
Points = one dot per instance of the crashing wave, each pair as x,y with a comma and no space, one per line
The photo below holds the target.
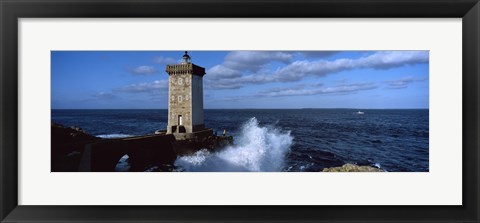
257,148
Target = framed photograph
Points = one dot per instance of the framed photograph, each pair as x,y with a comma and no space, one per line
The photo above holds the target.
223,111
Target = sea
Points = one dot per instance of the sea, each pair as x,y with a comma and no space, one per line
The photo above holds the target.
282,140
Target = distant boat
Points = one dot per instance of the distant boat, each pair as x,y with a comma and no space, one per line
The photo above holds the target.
360,113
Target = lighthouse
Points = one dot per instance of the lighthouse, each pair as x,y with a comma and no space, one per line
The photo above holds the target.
185,100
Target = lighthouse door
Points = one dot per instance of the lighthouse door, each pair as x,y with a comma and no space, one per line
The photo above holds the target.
180,120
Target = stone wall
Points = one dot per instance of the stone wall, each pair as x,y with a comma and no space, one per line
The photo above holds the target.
197,100
180,101
185,104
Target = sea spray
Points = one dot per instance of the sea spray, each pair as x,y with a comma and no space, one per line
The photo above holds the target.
113,136
257,148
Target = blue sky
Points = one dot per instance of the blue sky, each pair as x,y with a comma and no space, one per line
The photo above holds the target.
244,79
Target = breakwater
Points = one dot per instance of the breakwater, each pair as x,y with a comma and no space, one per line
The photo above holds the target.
75,150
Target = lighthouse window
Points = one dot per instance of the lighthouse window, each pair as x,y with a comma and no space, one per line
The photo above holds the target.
180,81
180,99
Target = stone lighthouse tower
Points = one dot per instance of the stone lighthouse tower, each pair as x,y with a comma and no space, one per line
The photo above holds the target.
185,104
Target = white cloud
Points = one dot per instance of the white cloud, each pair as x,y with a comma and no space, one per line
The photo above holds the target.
380,60
389,59
164,60
144,70
238,62
318,54
254,60
338,89
220,71
298,70
152,87
403,82
104,96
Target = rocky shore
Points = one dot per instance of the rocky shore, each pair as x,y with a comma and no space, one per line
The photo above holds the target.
211,143
159,150
352,168
67,145
75,150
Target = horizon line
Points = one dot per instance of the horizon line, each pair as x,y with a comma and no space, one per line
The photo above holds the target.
227,108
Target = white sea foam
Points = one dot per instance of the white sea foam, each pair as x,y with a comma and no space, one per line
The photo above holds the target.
257,148
114,136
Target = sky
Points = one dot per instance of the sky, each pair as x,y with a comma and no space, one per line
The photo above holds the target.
244,79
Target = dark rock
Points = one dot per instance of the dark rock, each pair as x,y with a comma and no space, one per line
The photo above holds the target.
352,168
67,145
62,134
75,150
211,143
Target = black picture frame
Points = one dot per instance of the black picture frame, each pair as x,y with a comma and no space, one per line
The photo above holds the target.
12,10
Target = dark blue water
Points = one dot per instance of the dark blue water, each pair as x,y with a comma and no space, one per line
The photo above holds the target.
394,140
